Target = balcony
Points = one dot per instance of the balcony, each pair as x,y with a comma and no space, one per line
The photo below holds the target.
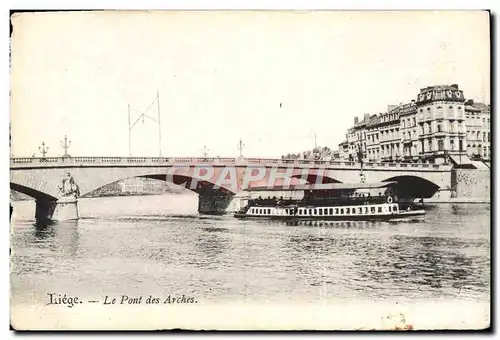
439,134
425,135
426,118
457,133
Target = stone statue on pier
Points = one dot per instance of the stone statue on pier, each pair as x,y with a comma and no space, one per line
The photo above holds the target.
68,187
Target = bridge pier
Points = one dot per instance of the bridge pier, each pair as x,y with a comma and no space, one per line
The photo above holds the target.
213,202
60,210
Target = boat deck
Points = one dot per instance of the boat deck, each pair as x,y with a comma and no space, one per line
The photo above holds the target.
387,211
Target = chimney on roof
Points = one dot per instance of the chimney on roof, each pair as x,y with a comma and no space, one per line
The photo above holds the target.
469,102
356,120
455,86
366,117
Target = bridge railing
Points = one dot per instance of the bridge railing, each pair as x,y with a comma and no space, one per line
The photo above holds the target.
160,161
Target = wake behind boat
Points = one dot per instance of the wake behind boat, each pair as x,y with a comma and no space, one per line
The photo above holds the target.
338,202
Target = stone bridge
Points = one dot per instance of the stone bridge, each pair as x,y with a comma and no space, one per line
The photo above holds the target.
216,180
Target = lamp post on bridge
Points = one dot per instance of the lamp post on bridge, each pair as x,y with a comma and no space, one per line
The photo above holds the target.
43,149
66,146
241,145
205,151
360,160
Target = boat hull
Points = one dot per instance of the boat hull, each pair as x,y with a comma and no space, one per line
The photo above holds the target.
406,215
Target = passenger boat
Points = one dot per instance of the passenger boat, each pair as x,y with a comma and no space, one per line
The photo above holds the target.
337,201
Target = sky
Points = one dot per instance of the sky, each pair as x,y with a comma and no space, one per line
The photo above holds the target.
272,79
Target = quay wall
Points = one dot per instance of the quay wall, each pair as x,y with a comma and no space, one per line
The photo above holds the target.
471,184
467,186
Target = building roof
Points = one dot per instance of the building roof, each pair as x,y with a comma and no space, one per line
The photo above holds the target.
439,93
374,120
471,108
440,87
482,106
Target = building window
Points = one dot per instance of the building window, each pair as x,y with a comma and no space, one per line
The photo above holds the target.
440,145
439,127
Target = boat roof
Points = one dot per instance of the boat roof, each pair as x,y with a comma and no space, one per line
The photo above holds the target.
329,186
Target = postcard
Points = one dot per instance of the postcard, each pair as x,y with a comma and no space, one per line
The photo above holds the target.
250,170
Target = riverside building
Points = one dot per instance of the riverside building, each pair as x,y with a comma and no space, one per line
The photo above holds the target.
439,126
477,121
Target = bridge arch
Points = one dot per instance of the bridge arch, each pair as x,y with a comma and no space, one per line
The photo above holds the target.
413,186
200,186
32,192
191,183
37,187
315,178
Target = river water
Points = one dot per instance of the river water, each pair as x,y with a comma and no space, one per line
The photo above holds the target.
160,244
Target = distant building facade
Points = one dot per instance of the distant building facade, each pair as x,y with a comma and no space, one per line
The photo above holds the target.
439,126
477,118
441,120
131,186
139,185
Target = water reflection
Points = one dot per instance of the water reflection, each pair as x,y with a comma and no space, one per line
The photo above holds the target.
52,243
420,263
316,244
210,245
336,224
62,235
44,229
